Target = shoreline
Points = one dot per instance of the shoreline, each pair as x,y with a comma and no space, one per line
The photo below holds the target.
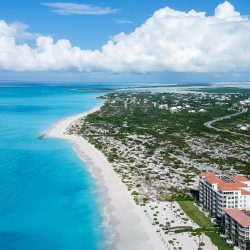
131,228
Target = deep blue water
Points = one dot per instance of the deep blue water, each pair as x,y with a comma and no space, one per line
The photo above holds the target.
48,199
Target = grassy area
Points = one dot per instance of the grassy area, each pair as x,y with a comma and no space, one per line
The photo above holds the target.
203,221
195,214
218,241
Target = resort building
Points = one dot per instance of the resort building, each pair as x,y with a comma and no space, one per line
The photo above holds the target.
219,192
237,225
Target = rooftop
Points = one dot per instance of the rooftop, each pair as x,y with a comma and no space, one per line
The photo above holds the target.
227,183
240,178
240,216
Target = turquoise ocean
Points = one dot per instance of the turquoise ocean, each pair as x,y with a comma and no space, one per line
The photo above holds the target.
48,199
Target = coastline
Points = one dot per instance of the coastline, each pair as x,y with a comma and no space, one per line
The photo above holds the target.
131,227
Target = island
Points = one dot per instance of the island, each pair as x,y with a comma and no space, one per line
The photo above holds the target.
157,143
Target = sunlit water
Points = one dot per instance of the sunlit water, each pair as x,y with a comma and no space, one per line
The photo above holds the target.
48,199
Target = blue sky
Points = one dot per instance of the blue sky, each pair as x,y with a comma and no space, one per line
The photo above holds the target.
93,31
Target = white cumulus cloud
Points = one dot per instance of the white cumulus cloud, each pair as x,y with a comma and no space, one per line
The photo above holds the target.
170,40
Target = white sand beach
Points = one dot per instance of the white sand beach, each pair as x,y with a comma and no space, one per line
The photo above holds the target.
132,229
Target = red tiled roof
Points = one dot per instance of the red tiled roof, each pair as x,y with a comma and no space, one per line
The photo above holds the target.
239,216
240,178
226,186
207,174
211,177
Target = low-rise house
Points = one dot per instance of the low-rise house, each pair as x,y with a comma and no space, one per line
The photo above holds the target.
173,109
245,102
163,106
202,110
243,128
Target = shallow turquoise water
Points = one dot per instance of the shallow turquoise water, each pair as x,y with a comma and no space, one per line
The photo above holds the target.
48,200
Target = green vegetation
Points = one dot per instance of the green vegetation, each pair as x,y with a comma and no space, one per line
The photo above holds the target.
157,142
218,241
234,124
205,223
195,214
180,196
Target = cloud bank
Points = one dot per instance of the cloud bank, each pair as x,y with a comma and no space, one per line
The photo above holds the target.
170,40
79,9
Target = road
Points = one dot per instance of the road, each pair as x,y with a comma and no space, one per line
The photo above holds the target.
209,124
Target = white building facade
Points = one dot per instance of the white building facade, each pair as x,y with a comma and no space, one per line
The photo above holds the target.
237,227
220,192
